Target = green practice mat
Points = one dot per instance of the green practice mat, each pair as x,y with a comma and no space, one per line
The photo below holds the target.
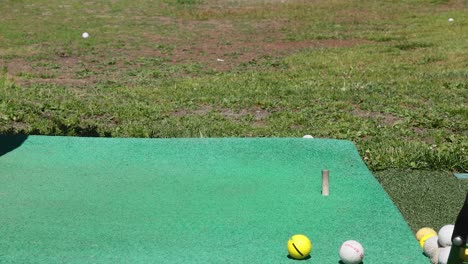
229,200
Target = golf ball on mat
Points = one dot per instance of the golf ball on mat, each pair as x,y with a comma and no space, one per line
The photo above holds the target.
85,35
445,235
351,252
299,247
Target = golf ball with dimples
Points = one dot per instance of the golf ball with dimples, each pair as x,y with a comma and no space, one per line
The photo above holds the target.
424,231
351,252
435,256
85,35
445,235
430,245
424,238
444,255
299,246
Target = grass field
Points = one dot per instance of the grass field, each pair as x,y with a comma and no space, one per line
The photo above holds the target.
392,76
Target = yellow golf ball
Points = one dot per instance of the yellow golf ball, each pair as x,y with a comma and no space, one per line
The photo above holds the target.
464,254
299,247
424,238
424,231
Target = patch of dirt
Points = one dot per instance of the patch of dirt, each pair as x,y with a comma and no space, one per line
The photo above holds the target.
19,126
224,46
384,118
18,66
26,72
215,45
257,114
453,5
357,15
202,110
58,81
224,57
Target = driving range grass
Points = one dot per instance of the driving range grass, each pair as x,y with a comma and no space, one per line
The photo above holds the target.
392,76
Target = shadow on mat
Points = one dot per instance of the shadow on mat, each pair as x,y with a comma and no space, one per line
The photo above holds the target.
306,258
9,143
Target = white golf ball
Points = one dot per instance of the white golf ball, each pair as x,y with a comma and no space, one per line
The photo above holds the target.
435,256
451,19
445,235
444,255
351,252
430,246
85,35
307,136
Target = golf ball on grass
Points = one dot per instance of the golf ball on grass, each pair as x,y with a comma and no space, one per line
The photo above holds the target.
424,231
351,252
445,235
299,247
450,19
85,35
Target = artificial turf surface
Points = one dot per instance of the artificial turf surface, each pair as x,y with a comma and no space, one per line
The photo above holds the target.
113,200
436,197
